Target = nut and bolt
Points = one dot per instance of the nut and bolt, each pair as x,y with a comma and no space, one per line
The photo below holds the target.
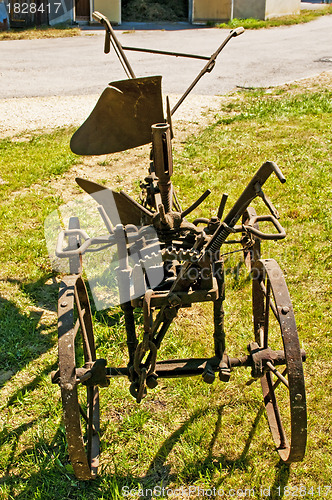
209,376
152,381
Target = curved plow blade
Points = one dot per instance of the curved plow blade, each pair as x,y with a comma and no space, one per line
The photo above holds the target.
127,209
122,117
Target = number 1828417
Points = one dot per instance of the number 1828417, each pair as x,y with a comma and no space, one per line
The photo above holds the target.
33,8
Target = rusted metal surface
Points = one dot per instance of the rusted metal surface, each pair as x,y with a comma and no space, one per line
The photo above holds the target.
291,447
75,327
127,210
189,257
122,117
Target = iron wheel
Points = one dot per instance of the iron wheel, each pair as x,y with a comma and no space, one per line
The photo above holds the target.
284,393
80,403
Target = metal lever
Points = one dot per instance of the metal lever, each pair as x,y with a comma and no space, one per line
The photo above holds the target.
249,194
196,203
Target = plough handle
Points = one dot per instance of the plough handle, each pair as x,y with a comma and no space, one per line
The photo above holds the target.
208,66
110,37
251,191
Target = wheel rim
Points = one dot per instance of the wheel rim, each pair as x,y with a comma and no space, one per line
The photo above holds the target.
275,327
80,404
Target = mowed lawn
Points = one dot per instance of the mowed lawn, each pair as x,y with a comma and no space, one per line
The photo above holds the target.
185,434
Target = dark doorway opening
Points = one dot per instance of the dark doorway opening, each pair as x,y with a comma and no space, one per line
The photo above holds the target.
154,10
82,10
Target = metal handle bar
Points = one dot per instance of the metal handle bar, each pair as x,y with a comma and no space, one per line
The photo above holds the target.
265,236
131,235
61,253
249,194
166,53
111,37
209,66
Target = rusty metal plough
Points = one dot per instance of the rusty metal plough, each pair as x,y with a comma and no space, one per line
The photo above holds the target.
165,263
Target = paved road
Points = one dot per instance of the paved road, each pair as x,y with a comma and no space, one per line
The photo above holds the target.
78,66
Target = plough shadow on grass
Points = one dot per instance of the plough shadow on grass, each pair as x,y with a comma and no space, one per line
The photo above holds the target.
212,460
52,471
27,332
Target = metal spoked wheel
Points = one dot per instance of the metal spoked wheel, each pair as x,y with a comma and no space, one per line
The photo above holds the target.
284,393
80,403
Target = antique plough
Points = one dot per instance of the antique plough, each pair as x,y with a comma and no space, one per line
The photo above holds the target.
164,263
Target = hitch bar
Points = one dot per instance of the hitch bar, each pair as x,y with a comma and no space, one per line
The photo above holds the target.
177,367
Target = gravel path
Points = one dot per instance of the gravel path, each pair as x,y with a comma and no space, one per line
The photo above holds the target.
20,115
52,83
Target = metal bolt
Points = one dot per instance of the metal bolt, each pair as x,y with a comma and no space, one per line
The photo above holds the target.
285,310
209,377
224,374
298,397
152,381
64,304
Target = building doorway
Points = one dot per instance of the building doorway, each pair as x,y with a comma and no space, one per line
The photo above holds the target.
82,10
155,10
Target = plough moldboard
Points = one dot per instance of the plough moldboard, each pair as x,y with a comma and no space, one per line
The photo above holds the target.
164,263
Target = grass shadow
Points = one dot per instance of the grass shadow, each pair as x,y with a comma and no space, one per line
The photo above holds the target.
26,334
52,474
280,481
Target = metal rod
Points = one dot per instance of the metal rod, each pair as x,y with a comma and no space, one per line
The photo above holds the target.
222,205
118,54
176,202
167,53
277,374
76,327
106,219
183,367
110,33
274,310
85,338
273,400
267,314
196,203
208,67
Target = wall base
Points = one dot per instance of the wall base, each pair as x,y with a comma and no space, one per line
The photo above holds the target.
265,9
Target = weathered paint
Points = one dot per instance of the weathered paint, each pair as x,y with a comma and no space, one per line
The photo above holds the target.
265,9
110,9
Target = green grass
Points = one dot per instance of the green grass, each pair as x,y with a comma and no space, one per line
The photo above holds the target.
27,166
185,433
304,17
